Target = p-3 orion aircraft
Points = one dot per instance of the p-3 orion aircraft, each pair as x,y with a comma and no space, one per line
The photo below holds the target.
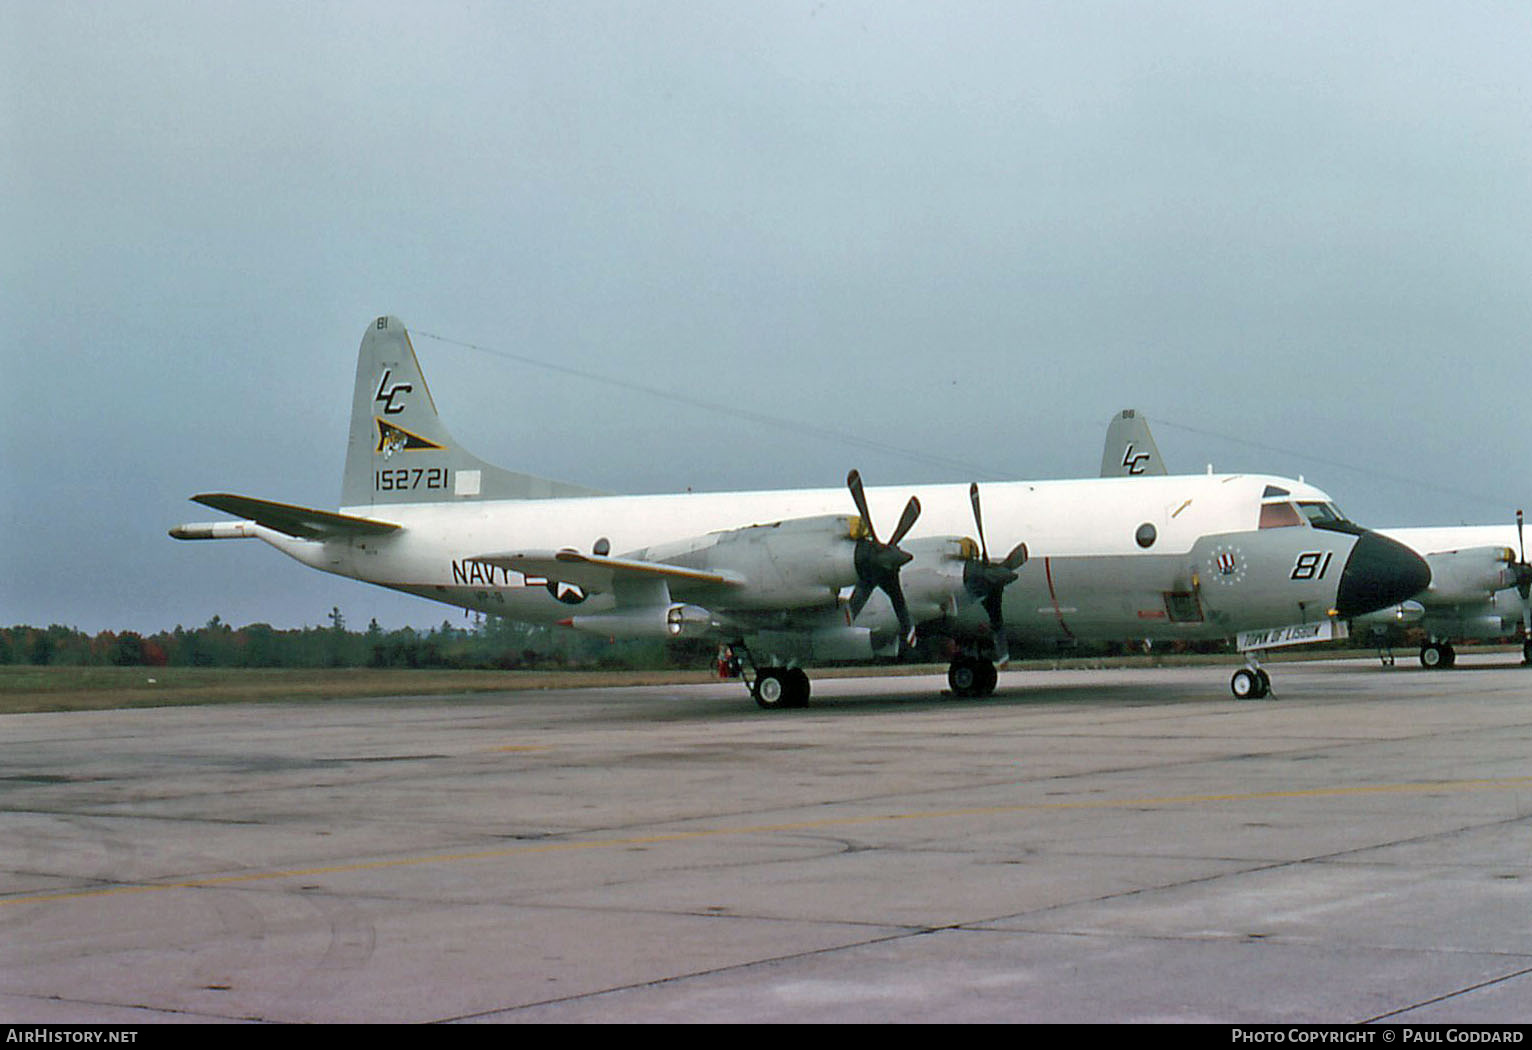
794,577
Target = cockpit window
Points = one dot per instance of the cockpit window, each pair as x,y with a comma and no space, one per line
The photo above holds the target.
1328,516
1322,513
1279,516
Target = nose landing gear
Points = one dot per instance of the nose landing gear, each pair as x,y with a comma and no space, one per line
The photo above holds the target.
1251,682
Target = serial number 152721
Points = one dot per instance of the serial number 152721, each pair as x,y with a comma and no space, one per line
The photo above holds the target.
407,478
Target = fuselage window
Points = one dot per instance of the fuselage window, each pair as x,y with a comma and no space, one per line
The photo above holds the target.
1279,516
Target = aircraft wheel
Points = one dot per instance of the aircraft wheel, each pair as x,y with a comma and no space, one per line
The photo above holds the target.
1526,653
1250,684
771,690
961,676
797,687
988,677
779,687
969,677
1436,656
1449,655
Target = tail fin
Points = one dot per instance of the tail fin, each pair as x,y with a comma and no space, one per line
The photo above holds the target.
1130,450
399,451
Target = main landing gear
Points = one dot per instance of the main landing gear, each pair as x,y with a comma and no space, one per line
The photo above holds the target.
1438,656
773,687
778,687
972,676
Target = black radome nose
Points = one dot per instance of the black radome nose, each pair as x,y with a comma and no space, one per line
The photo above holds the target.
1380,572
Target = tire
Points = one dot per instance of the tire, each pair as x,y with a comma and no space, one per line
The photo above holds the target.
781,687
771,690
797,687
1247,684
962,676
1433,657
969,677
988,677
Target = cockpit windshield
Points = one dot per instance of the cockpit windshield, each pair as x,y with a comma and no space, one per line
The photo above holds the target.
1322,514
1280,514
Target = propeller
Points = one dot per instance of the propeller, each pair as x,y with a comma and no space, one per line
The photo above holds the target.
985,580
1523,581
878,563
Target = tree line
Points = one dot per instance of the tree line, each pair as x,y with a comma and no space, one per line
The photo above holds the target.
490,643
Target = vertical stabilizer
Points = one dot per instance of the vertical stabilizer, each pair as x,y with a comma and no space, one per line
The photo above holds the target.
1130,450
400,452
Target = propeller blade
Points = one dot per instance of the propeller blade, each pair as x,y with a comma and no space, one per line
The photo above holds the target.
978,518
859,598
997,630
902,612
992,605
854,483
906,521
1017,558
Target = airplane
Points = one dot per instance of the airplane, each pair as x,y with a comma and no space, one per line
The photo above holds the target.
789,578
1474,568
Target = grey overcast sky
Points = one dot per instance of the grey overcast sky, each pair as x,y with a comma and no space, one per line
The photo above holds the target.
1295,234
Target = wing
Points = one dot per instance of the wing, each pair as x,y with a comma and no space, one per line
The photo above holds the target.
601,574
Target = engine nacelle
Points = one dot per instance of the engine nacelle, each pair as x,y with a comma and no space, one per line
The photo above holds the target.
1490,626
933,579
798,563
1470,574
828,643
842,643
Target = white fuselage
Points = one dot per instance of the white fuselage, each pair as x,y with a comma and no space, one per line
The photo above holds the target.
1088,576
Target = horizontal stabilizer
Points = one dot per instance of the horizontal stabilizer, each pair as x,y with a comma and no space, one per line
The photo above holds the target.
599,574
303,522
